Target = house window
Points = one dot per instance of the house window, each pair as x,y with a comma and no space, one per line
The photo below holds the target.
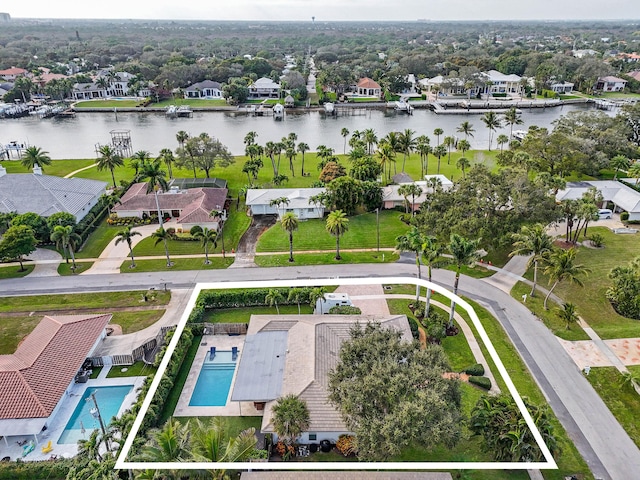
313,436
310,210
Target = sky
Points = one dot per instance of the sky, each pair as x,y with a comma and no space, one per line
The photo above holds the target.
329,10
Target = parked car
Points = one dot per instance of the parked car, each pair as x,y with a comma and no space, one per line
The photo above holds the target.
604,213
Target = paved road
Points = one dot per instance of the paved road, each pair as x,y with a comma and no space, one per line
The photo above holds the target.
606,447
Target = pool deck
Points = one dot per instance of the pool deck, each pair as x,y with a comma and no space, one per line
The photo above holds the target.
232,409
10,447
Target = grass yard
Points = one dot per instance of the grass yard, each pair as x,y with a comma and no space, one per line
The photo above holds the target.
14,271
192,102
181,378
327,258
65,269
622,400
135,321
242,315
14,329
138,369
107,103
590,300
478,271
312,234
180,264
58,168
98,241
70,301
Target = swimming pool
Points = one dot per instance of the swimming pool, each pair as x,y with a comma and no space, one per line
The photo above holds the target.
109,402
214,381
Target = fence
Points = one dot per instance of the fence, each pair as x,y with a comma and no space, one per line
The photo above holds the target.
225,328
138,354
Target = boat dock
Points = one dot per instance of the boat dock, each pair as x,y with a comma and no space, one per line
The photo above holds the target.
12,149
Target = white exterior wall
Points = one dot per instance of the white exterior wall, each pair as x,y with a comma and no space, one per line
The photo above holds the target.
129,213
634,216
87,208
304,438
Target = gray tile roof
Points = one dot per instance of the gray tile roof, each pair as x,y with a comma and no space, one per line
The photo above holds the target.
298,197
46,194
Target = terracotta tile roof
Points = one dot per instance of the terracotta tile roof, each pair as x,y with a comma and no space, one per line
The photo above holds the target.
13,71
35,377
366,82
635,75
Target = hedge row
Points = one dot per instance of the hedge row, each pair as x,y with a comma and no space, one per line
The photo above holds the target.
20,470
482,382
475,370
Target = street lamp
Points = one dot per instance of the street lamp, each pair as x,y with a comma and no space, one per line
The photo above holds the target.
95,413
378,227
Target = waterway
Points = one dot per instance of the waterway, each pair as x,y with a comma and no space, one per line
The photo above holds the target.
68,138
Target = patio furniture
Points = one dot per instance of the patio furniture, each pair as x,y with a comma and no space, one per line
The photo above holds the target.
234,353
47,448
212,353
28,448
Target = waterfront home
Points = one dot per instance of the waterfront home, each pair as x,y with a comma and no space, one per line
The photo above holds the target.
367,87
298,201
207,89
188,207
37,378
10,74
109,84
47,194
622,197
610,84
264,88
391,197
497,82
444,86
293,354
562,87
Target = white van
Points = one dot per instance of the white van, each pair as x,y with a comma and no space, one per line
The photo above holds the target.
604,213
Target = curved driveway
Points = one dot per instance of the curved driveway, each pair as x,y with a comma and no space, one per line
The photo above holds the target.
603,443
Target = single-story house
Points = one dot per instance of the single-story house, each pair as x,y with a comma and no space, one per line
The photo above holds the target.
368,87
623,197
46,194
392,198
293,354
562,87
206,89
264,88
37,378
610,84
12,73
188,207
299,202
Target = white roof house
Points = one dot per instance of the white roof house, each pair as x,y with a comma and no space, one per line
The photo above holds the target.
299,202
46,194
264,88
391,197
622,196
501,83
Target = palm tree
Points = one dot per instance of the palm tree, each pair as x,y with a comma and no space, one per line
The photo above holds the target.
303,147
290,418
406,144
370,139
463,163
634,171
155,176
161,235
290,153
273,297
533,240
90,448
280,202
168,444
33,156
345,133
316,294
337,225
561,266
210,442
492,121
109,160
413,190
207,236
619,162
289,222
126,235
250,138
568,314
65,237
182,137
297,295
511,118
466,128
464,146
430,255
464,253
449,142
386,156
502,140
412,241
439,152
166,156
437,132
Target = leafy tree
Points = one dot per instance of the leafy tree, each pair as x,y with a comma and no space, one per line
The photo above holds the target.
64,236
207,237
61,218
369,387
344,193
365,169
464,253
337,225
561,266
290,418
331,171
33,156
161,235
273,297
505,433
109,160
37,224
534,241
568,314
624,292
5,221
126,236
289,222
17,242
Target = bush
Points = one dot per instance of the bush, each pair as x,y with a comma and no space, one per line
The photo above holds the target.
345,310
347,445
624,216
245,298
597,239
413,325
482,382
195,229
474,370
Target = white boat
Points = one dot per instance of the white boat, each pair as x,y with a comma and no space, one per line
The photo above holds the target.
329,108
403,106
172,111
519,134
278,111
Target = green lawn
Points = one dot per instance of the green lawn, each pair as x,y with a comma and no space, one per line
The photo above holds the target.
66,269
242,315
98,240
312,234
14,271
622,400
179,264
138,369
590,300
327,258
181,378
14,329
70,301
135,321
478,271
108,104
192,102
58,168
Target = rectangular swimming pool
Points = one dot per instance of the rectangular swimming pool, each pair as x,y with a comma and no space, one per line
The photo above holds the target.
109,402
214,381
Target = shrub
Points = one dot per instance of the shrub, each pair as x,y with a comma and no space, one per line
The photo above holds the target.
482,382
195,229
475,370
597,239
347,445
413,325
435,326
345,310
624,216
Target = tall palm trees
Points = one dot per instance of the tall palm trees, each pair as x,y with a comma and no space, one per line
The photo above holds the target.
126,236
463,163
463,253
33,156
182,137
424,149
210,442
289,222
109,160
155,176
619,162
166,156
562,266
345,133
406,144
273,297
449,142
413,190
412,241
493,122
302,148
290,418
161,235
431,253
511,118
467,128
533,240
65,237
337,225
207,237
386,156
437,132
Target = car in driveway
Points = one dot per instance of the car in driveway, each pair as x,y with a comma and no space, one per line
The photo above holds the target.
604,214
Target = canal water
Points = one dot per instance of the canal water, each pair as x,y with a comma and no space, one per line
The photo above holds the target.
68,138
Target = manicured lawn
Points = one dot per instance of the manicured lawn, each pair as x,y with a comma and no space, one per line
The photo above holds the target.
135,321
147,248
70,301
58,168
160,265
65,269
549,317
14,271
108,104
242,315
622,400
312,234
14,329
327,258
192,102
138,369
95,371
590,300
181,378
478,271
98,241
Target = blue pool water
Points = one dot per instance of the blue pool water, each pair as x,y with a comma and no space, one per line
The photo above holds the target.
109,402
214,381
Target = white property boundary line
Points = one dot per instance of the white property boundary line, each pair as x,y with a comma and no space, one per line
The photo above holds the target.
121,462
